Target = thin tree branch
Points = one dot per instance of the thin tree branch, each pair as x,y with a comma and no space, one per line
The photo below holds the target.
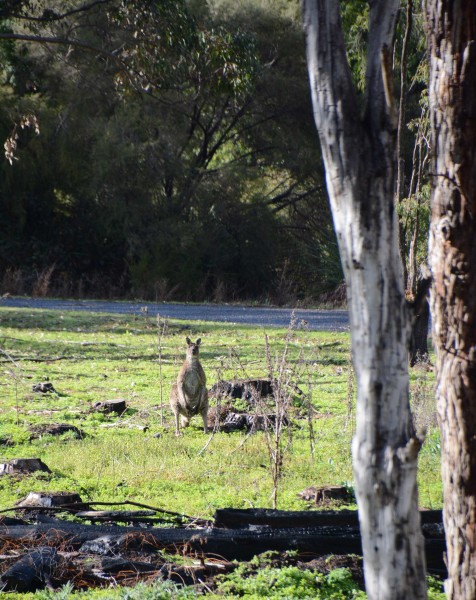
50,15
40,39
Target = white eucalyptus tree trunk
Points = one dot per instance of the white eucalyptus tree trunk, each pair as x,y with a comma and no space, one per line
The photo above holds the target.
358,147
451,26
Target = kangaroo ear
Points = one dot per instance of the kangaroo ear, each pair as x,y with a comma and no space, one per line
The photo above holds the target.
189,341
198,342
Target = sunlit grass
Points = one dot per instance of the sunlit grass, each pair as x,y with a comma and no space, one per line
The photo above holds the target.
91,357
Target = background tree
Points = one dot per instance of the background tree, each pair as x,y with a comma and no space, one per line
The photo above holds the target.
412,191
165,180
451,30
358,141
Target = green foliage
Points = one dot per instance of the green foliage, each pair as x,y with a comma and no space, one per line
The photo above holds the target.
355,14
289,582
185,168
435,589
158,590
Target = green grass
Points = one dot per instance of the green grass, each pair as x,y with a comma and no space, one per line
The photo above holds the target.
94,357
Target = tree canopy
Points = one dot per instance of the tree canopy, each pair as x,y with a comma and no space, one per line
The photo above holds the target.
176,155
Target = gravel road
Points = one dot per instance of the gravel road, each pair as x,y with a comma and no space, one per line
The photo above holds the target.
328,320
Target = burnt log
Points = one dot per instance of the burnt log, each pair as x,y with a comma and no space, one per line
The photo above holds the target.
114,545
237,518
116,515
238,544
9,521
223,418
32,572
234,421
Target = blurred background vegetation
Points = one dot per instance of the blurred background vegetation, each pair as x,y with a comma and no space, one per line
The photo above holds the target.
177,157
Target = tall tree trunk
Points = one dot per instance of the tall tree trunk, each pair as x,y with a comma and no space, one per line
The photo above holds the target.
451,26
360,162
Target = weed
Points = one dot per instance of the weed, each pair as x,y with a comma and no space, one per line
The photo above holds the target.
423,398
41,287
278,433
161,331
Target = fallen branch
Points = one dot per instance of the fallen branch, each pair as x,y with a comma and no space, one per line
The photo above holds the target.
147,506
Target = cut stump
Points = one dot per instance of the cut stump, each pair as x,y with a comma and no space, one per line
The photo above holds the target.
108,406
37,431
244,389
49,499
23,466
44,387
323,495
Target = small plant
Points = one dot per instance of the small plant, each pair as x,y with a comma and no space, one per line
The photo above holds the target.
350,398
162,326
435,589
41,287
422,399
158,590
277,442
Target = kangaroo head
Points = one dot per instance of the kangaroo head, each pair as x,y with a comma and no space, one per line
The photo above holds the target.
193,347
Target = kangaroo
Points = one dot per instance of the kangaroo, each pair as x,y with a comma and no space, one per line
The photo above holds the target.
189,395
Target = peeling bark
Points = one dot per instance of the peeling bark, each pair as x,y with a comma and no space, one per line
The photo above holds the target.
451,30
360,160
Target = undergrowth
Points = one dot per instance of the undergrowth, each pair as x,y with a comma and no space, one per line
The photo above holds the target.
286,583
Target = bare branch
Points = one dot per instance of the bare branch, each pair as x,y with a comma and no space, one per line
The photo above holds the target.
50,15
40,39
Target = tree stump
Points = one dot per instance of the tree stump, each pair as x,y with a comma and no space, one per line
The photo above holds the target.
108,406
37,431
23,466
49,499
244,389
324,495
44,387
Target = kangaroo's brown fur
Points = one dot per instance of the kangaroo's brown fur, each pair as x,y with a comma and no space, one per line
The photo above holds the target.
189,395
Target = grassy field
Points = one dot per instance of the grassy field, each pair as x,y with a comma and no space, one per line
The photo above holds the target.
90,358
